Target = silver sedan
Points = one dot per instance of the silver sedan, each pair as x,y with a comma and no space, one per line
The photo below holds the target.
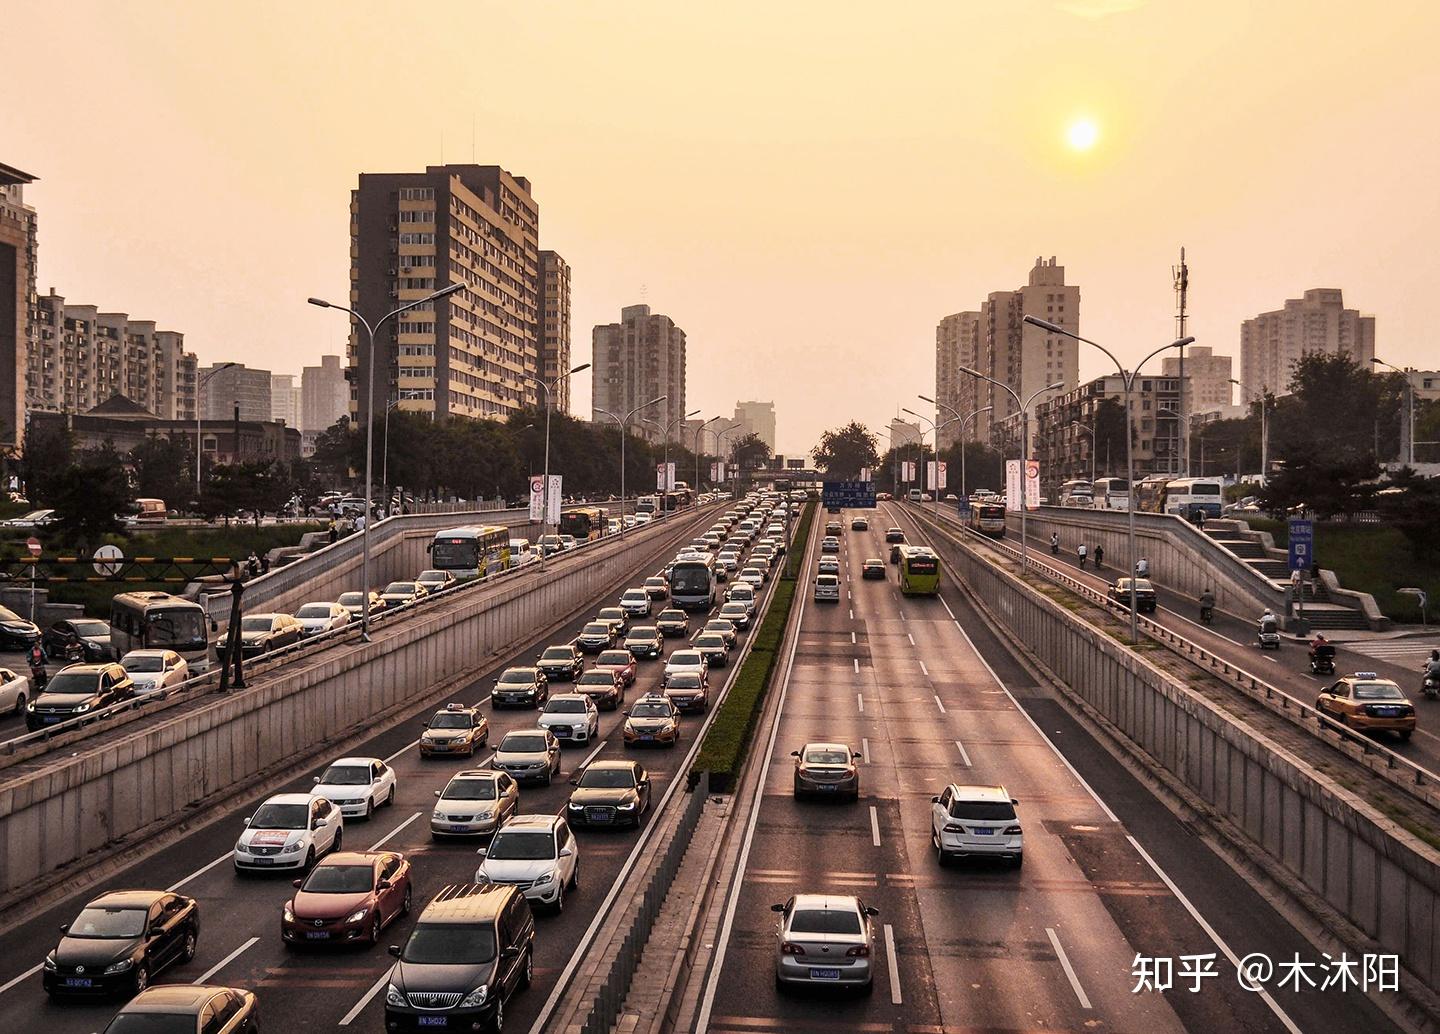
825,939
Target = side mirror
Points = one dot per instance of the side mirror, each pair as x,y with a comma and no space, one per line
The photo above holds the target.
317,823
246,822
856,754
871,910
394,950
777,908
935,800
296,883
574,782
626,712
482,851
214,625
1014,801
567,852
512,952
157,930
437,793
383,885
64,927
316,780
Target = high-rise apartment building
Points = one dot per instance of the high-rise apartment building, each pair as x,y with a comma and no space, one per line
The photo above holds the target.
228,386
554,330
903,432
1207,376
468,354
957,344
18,247
81,357
1272,342
324,394
758,419
638,359
285,400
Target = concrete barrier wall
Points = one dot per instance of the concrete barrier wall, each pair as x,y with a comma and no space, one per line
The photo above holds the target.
71,807
1376,874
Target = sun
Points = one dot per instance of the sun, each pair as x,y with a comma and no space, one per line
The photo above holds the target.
1082,134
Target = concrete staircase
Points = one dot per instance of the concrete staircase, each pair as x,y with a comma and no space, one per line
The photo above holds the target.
1321,610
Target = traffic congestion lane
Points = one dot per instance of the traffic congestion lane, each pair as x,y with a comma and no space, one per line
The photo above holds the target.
240,917
1206,894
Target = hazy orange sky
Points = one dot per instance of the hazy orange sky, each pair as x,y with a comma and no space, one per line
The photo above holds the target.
805,187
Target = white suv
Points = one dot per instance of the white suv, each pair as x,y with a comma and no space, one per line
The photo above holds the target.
571,718
536,853
976,820
827,589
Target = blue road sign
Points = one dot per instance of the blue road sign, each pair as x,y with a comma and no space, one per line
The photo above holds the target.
1302,543
855,494
964,506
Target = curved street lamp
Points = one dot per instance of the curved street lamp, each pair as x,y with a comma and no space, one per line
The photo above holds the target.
624,426
199,391
549,389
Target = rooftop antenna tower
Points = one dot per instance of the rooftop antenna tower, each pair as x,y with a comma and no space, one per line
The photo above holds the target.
1180,276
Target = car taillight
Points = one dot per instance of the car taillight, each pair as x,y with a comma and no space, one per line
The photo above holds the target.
860,951
950,827
789,948
1012,831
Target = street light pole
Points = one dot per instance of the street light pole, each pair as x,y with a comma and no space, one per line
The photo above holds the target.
1128,378
625,433
698,432
1410,396
370,330
199,392
665,440
1091,433
549,390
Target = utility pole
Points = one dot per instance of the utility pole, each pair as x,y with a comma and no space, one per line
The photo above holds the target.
1181,276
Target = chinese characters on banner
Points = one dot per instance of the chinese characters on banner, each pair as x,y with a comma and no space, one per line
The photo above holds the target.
665,477
537,498
552,503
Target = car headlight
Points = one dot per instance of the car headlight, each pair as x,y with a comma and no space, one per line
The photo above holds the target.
481,878
576,807
50,962
119,967
437,814
290,848
289,913
240,847
484,813
393,996
476,997
357,915
625,807
30,707
82,708
549,877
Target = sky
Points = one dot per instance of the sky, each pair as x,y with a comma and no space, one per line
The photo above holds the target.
806,188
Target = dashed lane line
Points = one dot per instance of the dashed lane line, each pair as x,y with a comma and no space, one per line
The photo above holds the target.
865,749
203,977
874,826
381,842
964,757
894,964
1069,969
860,702
939,703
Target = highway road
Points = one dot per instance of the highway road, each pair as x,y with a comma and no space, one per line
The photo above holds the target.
929,696
240,941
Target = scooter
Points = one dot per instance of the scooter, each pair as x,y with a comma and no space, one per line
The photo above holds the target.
1207,615
1322,660
1269,635
1430,686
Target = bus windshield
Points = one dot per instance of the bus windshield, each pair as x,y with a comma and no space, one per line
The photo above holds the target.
452,553
689,578
177,628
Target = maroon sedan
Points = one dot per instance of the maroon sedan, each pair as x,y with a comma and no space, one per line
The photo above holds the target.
622,661
349,897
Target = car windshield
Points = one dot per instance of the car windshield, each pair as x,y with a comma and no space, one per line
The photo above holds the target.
607,778
655,583
672,615
558,653
108,922
71,682
1377,691
339,879
983,811
594,677
597,628
617,657
450,720
634,594
517,678
710,640
742,593
469,790
685,680
824,920
827,756
152,1023
685,658
733,608
719,625
400,587
432,576
145,662
314,610
612,614
90,628
255,624
350,599
281,816
651,710
522,846
522,743
346,775
643,632
559,706
450,944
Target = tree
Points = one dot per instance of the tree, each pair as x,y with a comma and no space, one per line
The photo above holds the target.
984,467
750,452
91,494
1410,503
335,451
1317,479
1110,436
49,453
842,453
162,468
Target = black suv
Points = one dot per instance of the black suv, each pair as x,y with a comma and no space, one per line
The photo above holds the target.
78,690
561,663
471,949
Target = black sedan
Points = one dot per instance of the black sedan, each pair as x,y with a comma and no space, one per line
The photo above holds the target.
609,793
672,622
522,687
76,691
645,641
564,663
121,941
713,648
15,632
80,639
596,637
1144,594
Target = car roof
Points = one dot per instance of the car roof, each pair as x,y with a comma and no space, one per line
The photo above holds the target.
527,668
837,902
532,822
611,764
976,792
826,746
287,798
172,998
356,761
85,669
127,899
352,858
569,696
874,560
475,773
149,652
468,902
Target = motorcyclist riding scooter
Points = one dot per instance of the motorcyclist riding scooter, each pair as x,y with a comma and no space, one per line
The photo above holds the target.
38,676
1207,606
1322,656
1269,632
1430,684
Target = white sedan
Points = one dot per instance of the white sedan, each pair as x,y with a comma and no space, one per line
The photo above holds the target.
155,670
289,831
315,618
691,661
14,692
357,786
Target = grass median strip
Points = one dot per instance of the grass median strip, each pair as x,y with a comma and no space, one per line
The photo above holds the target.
728,741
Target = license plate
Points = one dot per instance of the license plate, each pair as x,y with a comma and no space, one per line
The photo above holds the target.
561,731
263,861
825,787
816,973
595,815
983,832
432,1021
54,718
646,738
459,829
317,935
78,982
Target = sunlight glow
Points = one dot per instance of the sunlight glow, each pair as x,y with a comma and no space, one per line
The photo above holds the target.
1082,134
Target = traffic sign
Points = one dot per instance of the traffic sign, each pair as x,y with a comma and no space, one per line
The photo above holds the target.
1302,543
33,544
108,561
855,494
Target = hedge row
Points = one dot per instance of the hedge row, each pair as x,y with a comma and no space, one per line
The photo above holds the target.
727,744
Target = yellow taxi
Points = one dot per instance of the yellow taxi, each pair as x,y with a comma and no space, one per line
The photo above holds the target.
1369,703
456,730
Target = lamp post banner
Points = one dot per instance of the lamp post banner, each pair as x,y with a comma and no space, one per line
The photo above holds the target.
1032,484
660,477
537,498
552,502
940,474
1012,485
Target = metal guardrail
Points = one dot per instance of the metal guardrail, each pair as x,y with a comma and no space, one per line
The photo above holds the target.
203,684
1416,780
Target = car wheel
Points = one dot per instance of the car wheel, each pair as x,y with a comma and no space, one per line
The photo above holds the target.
867,988
575,878
549,777
1019,861
1405,734
19,705
527,974
310,859
779,985
390,797
941,855
339,838
405,903
369,809
142,978
559,905
187,954
375,928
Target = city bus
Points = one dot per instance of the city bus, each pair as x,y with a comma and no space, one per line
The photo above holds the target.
160,621
1077,492
987,519
1149,494
919,571
471,552
692,583
1186,495
1111,494
583,522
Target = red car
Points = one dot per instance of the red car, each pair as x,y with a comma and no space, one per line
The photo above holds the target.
348,897
622,661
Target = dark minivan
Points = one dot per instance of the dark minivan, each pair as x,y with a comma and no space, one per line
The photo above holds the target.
471,949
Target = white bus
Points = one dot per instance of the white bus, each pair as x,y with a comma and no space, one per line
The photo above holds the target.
692,583
1111,494
1187,495
1077,492
160,621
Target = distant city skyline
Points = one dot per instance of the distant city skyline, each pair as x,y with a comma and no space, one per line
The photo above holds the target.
984,164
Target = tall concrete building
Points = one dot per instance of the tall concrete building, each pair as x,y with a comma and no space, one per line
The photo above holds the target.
1208,376
758,419
958,343
902,433
238,384
1024,357
1272,342
18,248
640,358
468,355
81,357
554,331
1064,450
285,400
324,394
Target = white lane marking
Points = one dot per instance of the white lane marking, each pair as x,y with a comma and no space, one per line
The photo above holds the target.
1069,969
911,638
591,757
359,1006
1210,931
853,640
924,670
865,749
198,872
939,703
963,756
874,826
893,963
225,961
1272,660
852,613
23,976
857,664
380,843
860,702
